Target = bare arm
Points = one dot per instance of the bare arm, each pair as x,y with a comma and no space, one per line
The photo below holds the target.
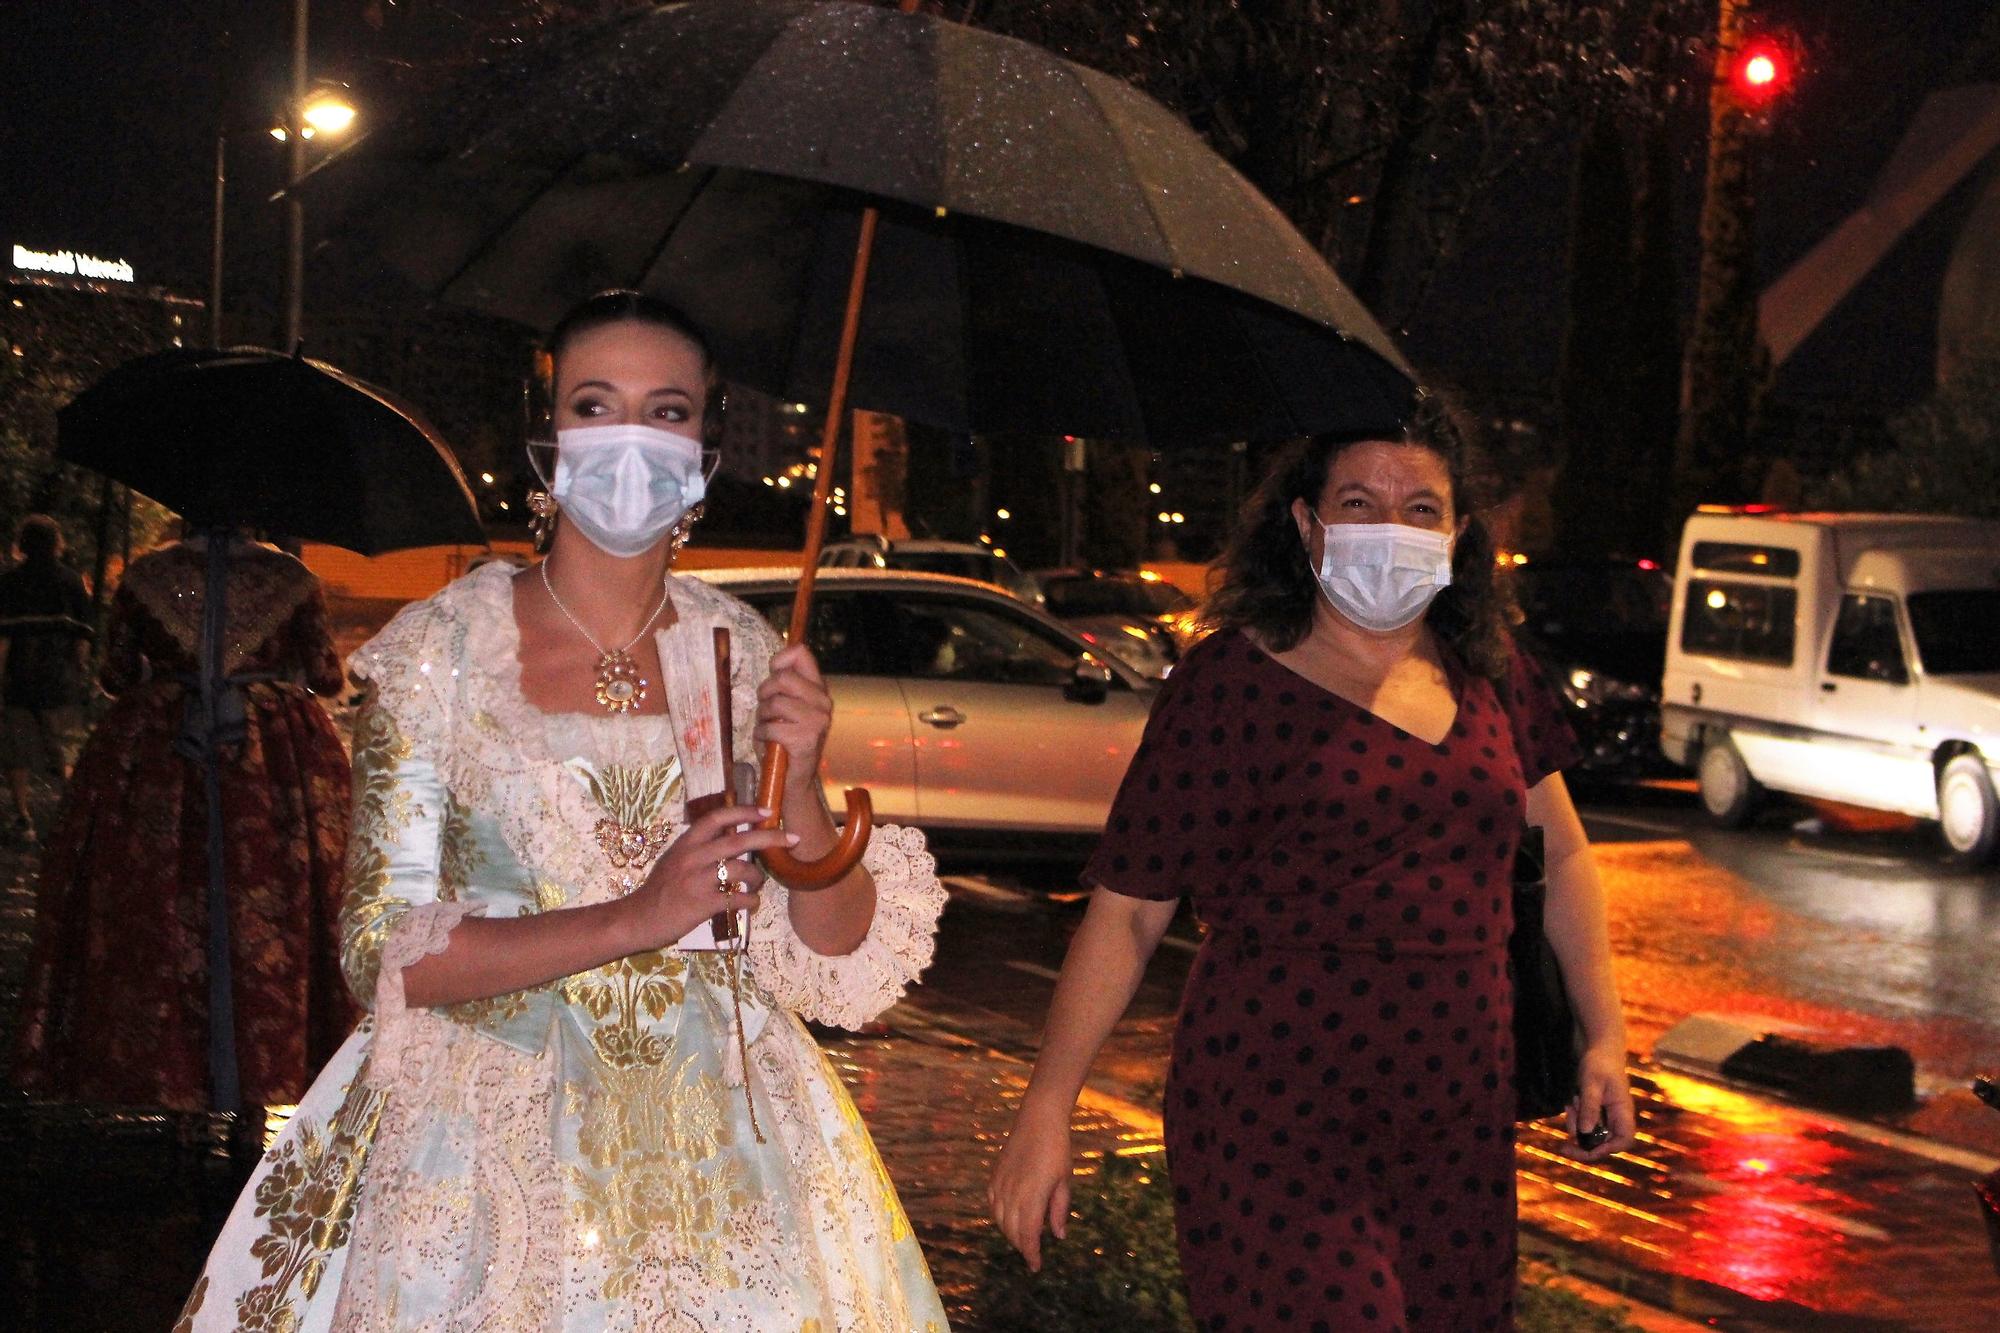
1106,961
795,709
1575,921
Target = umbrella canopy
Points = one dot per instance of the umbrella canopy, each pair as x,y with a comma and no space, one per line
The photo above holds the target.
247,437
1057,252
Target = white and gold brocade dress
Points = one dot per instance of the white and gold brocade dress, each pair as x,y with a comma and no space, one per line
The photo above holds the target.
578,1156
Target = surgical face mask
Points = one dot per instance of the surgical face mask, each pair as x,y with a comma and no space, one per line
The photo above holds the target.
1382,576
625,487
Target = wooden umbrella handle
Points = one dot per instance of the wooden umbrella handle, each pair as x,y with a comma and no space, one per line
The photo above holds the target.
846,854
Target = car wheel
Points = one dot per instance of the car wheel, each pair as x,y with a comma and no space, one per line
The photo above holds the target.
1728,792
1968,812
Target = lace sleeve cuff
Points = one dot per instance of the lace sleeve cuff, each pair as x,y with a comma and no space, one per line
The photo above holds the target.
416,935
846,990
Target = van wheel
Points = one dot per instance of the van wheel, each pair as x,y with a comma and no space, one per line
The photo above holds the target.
1728,792
1968,812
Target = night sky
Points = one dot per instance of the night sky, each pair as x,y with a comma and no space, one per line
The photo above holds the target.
110,108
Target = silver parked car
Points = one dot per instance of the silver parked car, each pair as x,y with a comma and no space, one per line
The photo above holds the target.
960,708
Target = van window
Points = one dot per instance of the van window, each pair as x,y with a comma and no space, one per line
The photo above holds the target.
1742,620
1778,562
1866,645
1957,631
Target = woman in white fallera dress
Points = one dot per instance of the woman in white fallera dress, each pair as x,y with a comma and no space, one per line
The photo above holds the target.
549,1122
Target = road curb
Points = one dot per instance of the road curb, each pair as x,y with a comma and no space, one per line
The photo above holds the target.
1790,1061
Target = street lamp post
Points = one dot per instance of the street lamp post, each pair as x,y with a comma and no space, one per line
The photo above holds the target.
295,170
306,114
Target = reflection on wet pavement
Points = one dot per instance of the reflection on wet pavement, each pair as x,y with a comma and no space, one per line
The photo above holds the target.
1827,1222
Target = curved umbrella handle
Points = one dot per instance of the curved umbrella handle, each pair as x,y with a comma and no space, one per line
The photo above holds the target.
846,853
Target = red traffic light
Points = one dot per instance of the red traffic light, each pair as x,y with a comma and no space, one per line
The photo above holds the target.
1762,70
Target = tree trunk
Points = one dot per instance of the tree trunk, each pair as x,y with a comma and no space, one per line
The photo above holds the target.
1598,480
1722,369
1655,342
1392,222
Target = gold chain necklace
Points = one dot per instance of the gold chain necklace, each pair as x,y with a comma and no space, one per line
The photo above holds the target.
620,687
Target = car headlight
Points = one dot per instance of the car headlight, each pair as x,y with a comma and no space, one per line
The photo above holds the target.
1586,688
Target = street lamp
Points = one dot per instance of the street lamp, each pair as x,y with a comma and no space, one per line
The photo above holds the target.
328,112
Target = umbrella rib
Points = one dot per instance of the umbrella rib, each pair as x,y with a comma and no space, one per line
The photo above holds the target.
672,224
493,234
1075,74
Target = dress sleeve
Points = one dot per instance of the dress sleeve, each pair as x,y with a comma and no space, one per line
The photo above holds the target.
391,913
1543,737
1179,821
308,646
841,990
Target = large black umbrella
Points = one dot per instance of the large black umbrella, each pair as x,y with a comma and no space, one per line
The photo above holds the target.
1057,251
945,224
245,437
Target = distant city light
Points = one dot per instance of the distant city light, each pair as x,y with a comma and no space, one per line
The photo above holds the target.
1154,488
486,477
1180,517
1165,517
1002,513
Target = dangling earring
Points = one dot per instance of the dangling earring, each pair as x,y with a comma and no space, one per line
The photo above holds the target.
542,514
682,530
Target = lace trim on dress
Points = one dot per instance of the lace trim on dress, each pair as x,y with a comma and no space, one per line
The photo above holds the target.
417,934
847,990
266,588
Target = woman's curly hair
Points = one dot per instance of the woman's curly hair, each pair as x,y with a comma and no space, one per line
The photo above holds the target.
1267,584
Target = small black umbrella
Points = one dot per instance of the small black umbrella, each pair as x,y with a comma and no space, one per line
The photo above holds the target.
245,437
938,222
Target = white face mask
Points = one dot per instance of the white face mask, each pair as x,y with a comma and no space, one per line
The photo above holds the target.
1382,576
626,486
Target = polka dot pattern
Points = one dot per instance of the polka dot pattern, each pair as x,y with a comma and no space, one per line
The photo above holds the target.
1339,1109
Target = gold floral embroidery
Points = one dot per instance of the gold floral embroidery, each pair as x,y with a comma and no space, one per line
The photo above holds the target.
659,1184
459,857
620,997
382,811
309,1198
635,802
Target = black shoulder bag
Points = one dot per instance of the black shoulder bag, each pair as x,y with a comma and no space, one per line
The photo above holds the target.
1545,1056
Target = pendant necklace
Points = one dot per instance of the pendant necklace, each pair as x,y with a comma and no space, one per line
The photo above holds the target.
620,687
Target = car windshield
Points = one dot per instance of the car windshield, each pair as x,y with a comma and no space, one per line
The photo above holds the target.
964,564
1114,597
1958,631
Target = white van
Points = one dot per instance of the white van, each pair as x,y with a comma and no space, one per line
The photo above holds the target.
1853,657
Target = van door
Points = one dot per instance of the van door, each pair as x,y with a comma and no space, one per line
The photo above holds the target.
1864,721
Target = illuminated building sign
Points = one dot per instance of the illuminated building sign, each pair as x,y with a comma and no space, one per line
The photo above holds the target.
71,264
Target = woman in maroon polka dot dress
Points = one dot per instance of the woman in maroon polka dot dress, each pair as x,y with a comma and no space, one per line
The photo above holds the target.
1338,776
